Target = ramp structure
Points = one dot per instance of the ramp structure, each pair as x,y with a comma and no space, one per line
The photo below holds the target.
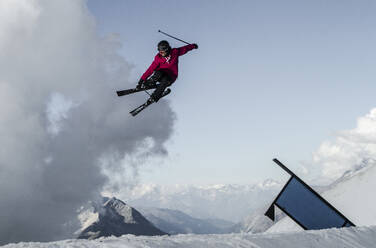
305,206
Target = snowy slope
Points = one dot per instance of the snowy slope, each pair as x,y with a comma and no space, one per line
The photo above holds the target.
257,222
352,194
235,201
357,237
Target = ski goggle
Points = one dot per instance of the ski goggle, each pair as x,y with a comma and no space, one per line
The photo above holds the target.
163,48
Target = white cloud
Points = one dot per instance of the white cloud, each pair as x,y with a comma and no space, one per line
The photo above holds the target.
57,111
57,76
350,148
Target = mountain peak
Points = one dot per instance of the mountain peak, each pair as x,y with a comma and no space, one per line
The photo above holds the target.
358,169
117,218
236,200
268,183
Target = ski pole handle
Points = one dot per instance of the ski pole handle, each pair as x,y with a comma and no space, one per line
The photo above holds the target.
174,37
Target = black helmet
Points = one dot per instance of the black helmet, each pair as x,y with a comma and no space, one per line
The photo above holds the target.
164,46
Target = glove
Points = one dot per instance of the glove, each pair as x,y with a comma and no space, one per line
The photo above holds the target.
195,46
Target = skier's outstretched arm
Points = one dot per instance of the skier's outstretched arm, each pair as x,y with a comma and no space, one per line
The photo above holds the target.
150,70
184,49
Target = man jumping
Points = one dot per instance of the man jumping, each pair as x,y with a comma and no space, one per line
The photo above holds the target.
165,68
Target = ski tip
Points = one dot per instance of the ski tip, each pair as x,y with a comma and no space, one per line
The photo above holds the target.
134,112
118,93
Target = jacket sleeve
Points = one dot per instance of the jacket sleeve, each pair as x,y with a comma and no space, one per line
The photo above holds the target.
184,49
151,69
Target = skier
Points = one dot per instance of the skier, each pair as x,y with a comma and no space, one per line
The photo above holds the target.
165,68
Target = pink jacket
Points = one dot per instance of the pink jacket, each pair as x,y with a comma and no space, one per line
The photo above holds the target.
168,64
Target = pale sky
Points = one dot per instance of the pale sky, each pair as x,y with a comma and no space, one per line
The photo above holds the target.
270,79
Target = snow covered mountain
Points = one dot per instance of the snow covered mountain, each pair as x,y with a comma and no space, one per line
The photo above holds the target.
116,218
352,195
177,222
228,202
257,222
354,237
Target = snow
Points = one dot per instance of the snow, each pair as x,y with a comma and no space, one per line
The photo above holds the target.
268,183
87,218
354,196
286,224
122,209
355,237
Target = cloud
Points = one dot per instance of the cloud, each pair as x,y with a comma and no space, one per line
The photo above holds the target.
57,110
61,124
350,149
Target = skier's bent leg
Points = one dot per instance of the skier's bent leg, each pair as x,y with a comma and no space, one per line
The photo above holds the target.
153,79
165,81
157,94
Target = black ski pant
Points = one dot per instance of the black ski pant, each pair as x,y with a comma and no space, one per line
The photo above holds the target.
164,81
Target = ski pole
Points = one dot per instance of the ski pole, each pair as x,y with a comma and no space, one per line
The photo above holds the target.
147,92
173,37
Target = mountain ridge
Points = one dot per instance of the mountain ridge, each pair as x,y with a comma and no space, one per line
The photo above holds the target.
237,201
115,218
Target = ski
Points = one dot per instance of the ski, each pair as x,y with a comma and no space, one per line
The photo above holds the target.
134,90
146,104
